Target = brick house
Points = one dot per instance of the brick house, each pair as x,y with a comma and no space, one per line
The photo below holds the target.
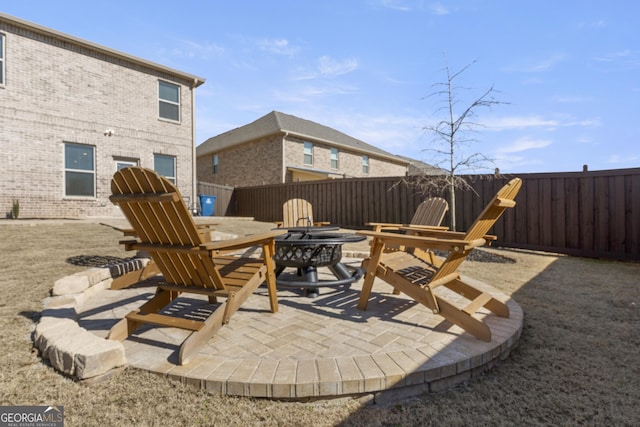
280,148
72,112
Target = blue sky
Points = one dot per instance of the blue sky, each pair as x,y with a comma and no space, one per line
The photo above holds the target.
567,72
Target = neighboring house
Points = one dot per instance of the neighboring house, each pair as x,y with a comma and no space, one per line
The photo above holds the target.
417,167
280,148
73,112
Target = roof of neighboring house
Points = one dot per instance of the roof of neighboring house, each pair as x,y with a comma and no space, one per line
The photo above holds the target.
197,81
279,123
418,167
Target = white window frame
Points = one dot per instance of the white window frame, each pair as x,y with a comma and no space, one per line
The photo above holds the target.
91,172
307,153
121,164
335,158
173,178
365,164
169,102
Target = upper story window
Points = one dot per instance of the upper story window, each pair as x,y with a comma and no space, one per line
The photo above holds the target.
216,163
308,153
365,164
334,158
165,166
2,59
79,170
169,99
123,163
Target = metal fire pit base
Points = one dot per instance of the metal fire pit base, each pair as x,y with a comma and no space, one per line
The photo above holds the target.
306,251
310,283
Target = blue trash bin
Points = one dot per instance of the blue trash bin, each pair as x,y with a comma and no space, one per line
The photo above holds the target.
207,205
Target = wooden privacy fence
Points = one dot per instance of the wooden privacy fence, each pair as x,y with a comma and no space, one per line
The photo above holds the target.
223,195
593,214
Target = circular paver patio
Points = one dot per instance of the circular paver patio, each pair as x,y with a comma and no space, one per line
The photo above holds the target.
320,347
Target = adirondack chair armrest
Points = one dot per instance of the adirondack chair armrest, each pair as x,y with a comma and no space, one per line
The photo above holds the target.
442,233
242,242
415,241
380,226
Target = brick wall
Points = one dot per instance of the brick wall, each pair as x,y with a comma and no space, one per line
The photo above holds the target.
254,163
58,92
260,163
349,162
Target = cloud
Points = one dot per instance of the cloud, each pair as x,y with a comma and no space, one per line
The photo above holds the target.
325,67
592,24
396,5
571,99
524,144
328,66
308,93
527,122
439,9
278,46
505,123
538,65
614,56
193,49
617,159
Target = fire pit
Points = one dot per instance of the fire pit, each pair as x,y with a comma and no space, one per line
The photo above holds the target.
308,250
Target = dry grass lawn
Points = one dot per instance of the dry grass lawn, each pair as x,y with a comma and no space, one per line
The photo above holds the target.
577,362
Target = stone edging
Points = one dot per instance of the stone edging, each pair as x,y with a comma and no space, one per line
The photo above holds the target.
71,349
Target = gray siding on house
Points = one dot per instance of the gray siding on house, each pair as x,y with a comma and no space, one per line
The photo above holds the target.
59,90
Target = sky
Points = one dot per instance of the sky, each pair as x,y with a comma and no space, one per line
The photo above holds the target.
565,74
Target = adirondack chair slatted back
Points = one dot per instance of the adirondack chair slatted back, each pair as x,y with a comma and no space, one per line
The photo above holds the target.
504,198
430,212
157,213
297,213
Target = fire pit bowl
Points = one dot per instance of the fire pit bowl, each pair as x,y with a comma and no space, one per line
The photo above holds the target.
306,251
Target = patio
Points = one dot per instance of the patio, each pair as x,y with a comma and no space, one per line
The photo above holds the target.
312,348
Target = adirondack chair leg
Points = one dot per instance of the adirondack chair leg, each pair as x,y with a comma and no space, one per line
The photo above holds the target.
126,327
495,306
370,266
458,317
270,275
199,338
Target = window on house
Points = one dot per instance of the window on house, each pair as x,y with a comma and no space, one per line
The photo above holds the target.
169,98
215,163
334,158
1,59
308,153
79,170
365,164
165,166
121,164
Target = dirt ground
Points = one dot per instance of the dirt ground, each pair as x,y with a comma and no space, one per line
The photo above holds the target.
577,362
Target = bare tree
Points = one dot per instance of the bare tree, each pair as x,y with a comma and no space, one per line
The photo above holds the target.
453,135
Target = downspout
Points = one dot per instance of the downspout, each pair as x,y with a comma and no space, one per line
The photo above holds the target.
284,157
194,172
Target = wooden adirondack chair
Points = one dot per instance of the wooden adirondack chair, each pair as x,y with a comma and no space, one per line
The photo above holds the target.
415,272
165,229
298,213
430,213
